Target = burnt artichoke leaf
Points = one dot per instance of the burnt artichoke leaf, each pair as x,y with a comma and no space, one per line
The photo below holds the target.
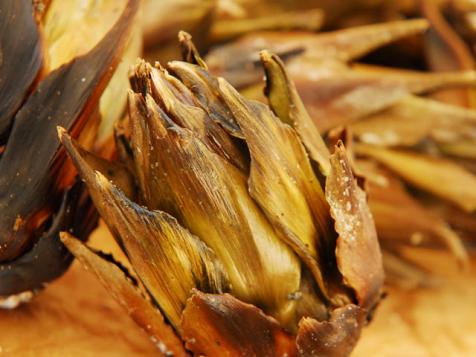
402,225
48,258
21,48
178,166
216,325
359,259
333,338
65,97
189,51
139,307
283,184
288,106
438,176
445,50
205,88
194,118
180,260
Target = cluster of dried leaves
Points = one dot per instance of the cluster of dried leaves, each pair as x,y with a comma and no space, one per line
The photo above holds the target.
50,76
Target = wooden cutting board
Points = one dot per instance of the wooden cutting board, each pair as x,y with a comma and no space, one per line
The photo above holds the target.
76,317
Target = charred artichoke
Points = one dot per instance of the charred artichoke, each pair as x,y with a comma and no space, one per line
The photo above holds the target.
246,233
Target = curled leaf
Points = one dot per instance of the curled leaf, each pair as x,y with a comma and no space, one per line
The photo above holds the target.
357,250
334,338
221,325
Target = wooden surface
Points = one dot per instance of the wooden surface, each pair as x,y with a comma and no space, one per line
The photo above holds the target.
76,317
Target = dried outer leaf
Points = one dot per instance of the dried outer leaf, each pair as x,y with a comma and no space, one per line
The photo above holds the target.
128,295
357,250
48,258
288,106
21,48
334,338
221,325
398,216
303,20
209,196
388,128
335,94
205,89
462,222
352,43
464,149
446,51
283,183
194,118
405,273
412,119
419,82
238,62
438,176
181,261
62,98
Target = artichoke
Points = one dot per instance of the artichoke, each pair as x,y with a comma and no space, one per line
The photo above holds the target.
54,71
244,234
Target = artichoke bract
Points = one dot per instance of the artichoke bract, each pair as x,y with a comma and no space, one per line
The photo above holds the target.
246,236
49,78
